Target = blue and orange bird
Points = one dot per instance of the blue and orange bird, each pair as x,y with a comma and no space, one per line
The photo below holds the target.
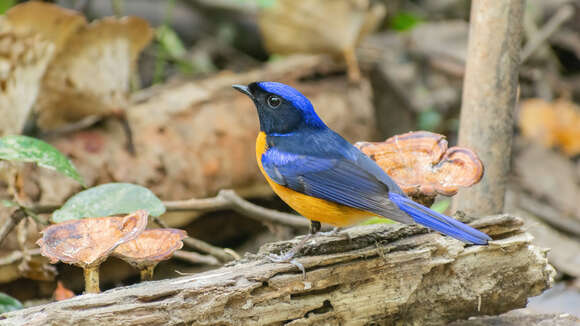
325,178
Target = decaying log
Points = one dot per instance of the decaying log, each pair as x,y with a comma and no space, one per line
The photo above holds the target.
384,274
521,317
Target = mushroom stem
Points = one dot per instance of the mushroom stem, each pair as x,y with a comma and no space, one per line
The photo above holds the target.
92,279
147,273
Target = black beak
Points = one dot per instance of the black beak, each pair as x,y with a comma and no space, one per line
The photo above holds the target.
243,89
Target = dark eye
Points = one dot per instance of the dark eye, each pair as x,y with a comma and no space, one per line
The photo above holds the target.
274,101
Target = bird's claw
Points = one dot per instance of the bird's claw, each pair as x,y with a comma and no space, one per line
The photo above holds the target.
288,258
282,258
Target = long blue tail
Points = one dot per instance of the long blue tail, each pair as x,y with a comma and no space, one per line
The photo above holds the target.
439,222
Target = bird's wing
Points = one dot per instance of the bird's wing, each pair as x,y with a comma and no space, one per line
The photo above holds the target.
335,179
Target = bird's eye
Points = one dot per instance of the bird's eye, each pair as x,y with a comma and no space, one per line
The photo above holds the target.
274,101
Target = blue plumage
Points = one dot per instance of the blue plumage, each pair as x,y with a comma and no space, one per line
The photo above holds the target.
306,156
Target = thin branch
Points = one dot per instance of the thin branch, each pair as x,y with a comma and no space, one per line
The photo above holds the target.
560,17
262,214
219,253
11,223
16,256
195,258
228,199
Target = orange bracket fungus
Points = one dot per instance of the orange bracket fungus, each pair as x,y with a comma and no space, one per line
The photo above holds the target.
151,247
88,242
423,166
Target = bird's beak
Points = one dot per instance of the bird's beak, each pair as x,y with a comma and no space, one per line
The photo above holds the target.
244,89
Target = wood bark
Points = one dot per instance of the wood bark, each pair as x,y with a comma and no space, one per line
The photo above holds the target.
380,274
521,317
489,96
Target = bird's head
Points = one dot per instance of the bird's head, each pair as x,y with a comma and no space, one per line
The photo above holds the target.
281,108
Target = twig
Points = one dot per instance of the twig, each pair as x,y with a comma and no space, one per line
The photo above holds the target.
219,253
16,256
228,199
262,214
11,223
560,17
195,258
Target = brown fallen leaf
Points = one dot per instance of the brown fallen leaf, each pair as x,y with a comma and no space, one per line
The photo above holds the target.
552,124
91,76
319,26
31,34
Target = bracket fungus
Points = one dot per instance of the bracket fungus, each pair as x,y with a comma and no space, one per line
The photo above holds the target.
423,166
151,247
88,242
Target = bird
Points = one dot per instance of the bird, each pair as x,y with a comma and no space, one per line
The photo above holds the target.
325,178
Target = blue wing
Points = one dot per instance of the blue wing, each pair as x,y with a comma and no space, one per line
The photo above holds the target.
334,179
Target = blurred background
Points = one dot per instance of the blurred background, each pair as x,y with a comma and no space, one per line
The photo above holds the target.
372,68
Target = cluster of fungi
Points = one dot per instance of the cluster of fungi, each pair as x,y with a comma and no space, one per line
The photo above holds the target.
89,242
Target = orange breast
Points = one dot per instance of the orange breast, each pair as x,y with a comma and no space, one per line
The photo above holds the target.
311,207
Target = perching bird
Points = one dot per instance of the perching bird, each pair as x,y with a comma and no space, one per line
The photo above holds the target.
325,178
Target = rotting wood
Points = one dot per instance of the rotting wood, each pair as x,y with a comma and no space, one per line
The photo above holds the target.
384,274
521,317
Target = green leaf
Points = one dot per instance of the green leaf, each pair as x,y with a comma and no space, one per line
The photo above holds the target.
28,149
170,42
5,5
109,199
8,303
404,21
8,203
429,120
441,206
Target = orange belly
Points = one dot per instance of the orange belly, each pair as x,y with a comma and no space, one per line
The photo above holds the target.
313,208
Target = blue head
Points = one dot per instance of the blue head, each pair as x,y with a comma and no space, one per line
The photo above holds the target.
281,108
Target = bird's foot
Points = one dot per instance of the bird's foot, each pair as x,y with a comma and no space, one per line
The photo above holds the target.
288,257
335,232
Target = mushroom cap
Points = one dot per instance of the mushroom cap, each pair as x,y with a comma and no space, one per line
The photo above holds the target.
88,242
151,247
421,164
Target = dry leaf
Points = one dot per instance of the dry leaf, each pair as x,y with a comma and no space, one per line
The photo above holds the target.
30,35
91,77
319,26
88,242
421,164
555,124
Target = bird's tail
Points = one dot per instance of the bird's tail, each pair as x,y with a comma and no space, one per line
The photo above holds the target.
438,221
